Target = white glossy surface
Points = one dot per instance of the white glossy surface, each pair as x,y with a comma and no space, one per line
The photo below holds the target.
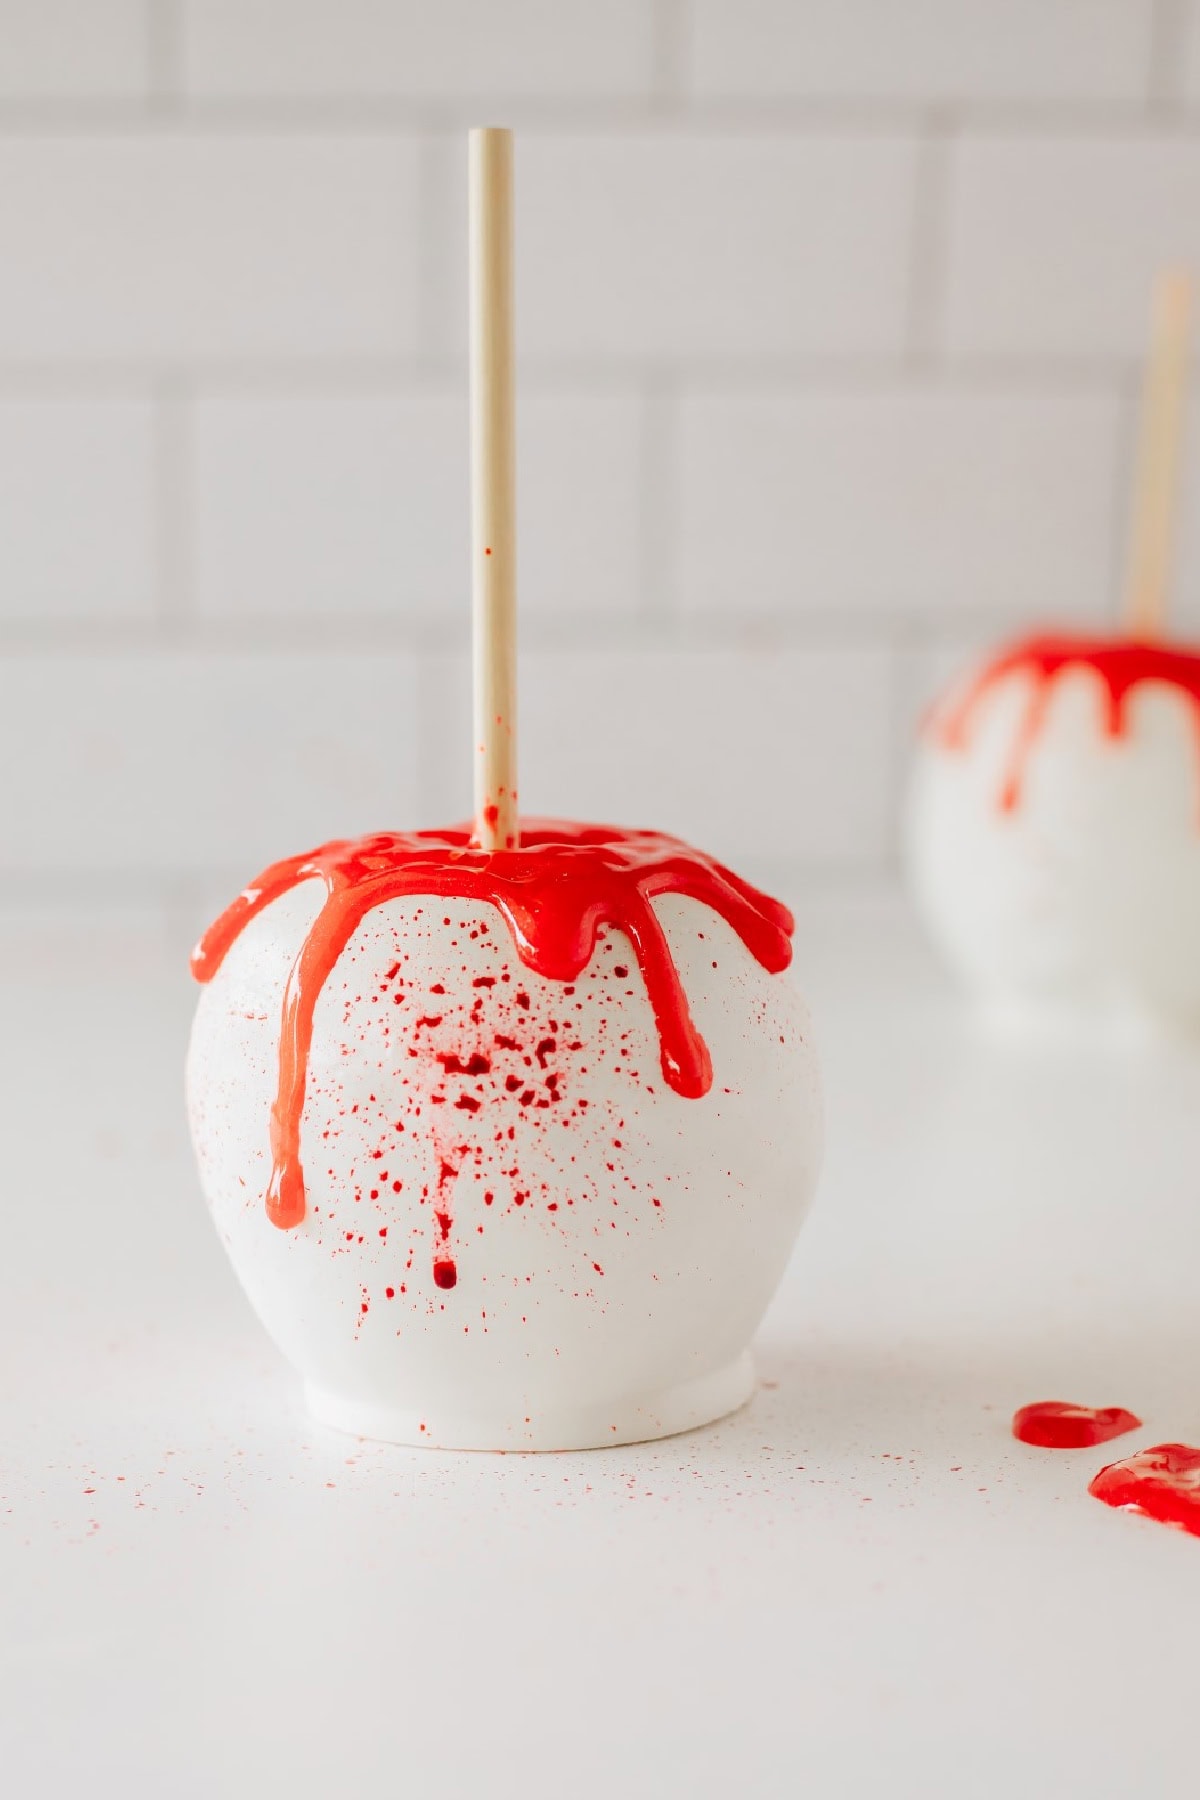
1083,901
611,1245
859,1585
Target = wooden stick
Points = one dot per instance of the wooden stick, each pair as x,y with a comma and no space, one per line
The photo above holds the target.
1156,482
493,491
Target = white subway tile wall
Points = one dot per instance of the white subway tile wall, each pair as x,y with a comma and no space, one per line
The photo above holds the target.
172,762
415,50
775,745
1050,240
74,49
910,504
319,506
922,50
77,505
671,245
184,247
830,318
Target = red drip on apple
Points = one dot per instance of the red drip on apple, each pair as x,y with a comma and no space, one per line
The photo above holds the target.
557,893
1118,665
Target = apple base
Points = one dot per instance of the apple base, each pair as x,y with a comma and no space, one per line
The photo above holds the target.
631,1421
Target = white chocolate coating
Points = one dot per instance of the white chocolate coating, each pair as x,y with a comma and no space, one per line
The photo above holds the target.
1082,902
610,1287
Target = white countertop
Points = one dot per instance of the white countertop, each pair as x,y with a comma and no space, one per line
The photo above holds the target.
860,1585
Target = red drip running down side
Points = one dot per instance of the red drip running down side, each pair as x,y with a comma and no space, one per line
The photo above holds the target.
1058,1425
1162,1483
1119,665
556,892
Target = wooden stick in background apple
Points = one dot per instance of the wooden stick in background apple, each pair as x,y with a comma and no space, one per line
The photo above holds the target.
1156,477
493,490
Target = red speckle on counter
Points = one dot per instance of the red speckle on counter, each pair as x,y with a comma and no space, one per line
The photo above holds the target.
1119,664
1162,1483
1059,1425
555,892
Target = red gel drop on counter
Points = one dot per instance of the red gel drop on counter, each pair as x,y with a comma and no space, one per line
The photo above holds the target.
555,892
1162,1483
1060,1425
1119,665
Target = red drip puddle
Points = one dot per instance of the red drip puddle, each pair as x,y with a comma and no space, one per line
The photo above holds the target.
1162,1483
1060,1425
